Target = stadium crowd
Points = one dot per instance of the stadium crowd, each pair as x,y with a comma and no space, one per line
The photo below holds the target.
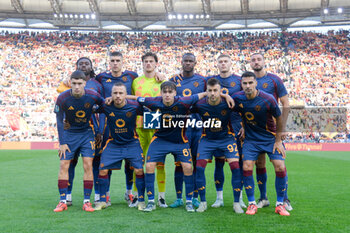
314,68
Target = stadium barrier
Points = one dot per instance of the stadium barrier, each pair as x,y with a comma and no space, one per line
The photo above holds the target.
289,146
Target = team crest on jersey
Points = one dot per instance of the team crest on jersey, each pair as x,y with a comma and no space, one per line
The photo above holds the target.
206,114
224,90
87,105
71,108
223,112
120,123
125,79
257,108
195,84
80,114
232,84
108,80
129,114
265,85
175,108
112,114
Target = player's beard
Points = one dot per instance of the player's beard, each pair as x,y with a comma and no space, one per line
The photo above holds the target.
258,69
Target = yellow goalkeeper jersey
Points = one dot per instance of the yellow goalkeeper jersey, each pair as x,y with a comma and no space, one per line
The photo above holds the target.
145,87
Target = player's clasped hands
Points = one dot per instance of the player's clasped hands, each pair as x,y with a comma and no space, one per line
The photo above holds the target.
62,150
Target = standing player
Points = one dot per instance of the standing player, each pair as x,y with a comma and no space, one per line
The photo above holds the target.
147,86
220,140
230,84
84,64
273,85
188,84
73,111
262,135
107,80
124,144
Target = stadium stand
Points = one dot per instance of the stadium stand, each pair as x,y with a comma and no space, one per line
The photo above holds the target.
315,68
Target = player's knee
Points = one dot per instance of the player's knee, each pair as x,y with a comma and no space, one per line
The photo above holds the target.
150,167
279,166
64,165
103,172
187,168
139,172
248,166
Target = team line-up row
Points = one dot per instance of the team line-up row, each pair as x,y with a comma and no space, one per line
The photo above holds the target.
206,99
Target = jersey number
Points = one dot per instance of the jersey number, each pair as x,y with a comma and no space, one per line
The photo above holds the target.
232,148
186,152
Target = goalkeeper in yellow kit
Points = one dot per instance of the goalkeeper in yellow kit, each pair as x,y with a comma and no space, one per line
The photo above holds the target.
147,86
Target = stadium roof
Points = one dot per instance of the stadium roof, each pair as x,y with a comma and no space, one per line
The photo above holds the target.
172,14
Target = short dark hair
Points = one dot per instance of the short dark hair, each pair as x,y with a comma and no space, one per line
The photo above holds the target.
168,85
149,54
78,74
248,74
212,82
258,53
92,73
119,84
115,54
224,55
188,54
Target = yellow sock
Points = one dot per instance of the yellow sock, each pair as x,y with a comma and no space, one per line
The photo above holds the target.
161,177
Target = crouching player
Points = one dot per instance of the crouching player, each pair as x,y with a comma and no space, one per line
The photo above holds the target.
124,144
220,139
262,135
74,109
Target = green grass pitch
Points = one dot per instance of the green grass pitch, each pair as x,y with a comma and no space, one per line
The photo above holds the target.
319,188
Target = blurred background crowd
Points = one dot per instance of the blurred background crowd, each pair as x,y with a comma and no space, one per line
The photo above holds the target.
315,68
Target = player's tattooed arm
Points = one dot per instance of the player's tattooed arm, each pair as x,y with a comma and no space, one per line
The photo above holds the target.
230,102
278,142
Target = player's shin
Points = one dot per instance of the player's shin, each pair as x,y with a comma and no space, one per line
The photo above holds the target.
248,181
103,184
178,179
149,180
200,179
128,177
95,171
280,185
88,184
261,178
219,176
62,188
140,184
236,180
71,174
